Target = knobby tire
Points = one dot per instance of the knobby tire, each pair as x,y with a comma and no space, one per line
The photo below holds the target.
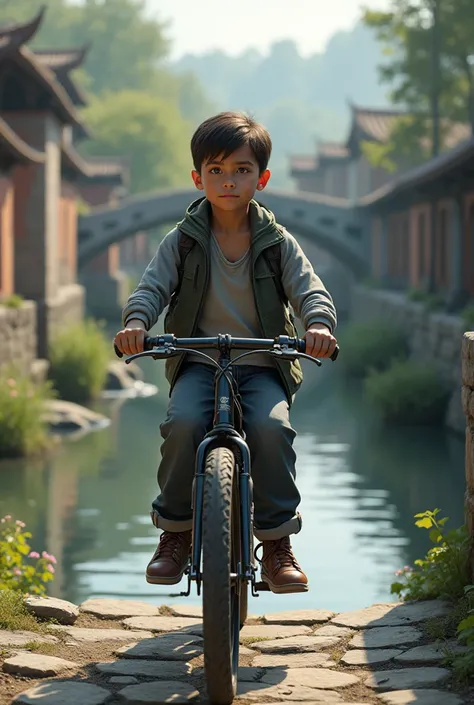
220,555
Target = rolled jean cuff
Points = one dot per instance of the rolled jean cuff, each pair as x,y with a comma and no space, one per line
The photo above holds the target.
292,526
173,525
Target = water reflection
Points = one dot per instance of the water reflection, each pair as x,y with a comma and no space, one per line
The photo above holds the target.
361,484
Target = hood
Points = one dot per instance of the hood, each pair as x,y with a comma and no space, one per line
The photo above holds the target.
196,222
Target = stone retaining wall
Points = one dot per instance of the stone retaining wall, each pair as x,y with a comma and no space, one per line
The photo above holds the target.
433,338
468,406
18,335
67,307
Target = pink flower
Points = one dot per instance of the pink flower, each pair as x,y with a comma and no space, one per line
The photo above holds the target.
21,524
16,571
11,382
34,554
7,517
13,393
48,557
50,568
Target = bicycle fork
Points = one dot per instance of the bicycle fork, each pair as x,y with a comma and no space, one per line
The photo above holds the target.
246,570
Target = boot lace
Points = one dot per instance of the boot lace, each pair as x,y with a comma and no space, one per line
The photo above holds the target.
281,550
170,546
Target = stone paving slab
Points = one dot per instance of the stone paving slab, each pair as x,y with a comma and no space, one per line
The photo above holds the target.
141,667
52,608
21,638
272,631
321,678
157,692
381,637
392,614
85,634
308,617
265,693
406,678
36,665
305,660
295,645
333,630
371,657
123,680
117,609
162,624
63,693
173,647
185,610
420,697
429,653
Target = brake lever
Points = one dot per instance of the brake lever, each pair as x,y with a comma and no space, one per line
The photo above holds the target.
156,354
294,355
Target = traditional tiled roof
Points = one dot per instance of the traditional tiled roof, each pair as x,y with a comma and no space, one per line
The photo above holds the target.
14,35
376,125
110,167
16,148
460,157
12,46
303,163
62,60
332,150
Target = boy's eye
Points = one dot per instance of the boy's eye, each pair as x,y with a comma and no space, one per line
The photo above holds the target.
215,170
243,170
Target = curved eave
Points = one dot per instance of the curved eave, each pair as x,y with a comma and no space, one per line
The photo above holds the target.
15,35
63,105
63,60
17,148
424,174
72,160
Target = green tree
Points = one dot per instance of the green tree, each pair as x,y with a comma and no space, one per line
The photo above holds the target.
417,80
145,128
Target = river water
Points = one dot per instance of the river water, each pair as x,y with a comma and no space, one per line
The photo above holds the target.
361,485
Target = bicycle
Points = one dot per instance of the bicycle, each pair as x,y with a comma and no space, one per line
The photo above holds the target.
222,504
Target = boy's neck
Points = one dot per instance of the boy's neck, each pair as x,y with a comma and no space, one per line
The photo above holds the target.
230,223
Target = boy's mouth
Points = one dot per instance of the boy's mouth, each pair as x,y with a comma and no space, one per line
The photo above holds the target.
229,195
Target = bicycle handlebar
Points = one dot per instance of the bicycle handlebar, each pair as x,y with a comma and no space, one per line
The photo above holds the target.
282,342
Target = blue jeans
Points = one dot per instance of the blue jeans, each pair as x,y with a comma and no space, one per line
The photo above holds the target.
269,435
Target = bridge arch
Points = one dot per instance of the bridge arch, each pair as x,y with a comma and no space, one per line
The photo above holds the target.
331,223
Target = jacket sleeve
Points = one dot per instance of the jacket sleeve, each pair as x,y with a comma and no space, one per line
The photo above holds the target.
157,284
306,293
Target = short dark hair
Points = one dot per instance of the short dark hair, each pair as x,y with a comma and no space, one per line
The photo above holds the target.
222,134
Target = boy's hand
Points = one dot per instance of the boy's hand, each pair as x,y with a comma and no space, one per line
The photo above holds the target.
320,342
131,340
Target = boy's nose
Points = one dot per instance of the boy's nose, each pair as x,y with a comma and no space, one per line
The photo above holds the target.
229,184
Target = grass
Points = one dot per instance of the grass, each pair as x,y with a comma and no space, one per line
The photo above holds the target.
41,648
13,614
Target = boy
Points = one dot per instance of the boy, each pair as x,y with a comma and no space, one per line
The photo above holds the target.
227,286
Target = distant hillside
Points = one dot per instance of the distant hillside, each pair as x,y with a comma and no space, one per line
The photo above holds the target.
299,99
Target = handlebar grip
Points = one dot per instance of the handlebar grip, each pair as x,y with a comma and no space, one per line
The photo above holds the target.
302,348
117,351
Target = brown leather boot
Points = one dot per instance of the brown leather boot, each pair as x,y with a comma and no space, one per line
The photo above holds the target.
170,558
280,568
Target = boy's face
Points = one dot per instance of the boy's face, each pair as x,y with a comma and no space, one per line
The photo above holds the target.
230,184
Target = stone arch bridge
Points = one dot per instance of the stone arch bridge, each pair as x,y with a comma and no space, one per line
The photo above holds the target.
331,223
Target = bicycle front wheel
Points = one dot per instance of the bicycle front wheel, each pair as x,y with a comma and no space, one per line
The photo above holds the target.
220,593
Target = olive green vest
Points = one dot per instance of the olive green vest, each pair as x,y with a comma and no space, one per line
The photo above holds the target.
275,319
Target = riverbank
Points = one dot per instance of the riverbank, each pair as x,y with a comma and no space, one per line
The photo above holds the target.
120,651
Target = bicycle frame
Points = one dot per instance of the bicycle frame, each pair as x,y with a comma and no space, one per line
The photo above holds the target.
224,433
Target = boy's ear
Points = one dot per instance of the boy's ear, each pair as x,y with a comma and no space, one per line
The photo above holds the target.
263,180
196,177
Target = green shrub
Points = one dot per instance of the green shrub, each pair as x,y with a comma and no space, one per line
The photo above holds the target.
371,345
464,663
434,302
467,315
416,295
444,572
408,393
13,301
79,358
22,429
21,569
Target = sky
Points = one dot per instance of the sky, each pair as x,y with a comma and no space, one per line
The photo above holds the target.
198,26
